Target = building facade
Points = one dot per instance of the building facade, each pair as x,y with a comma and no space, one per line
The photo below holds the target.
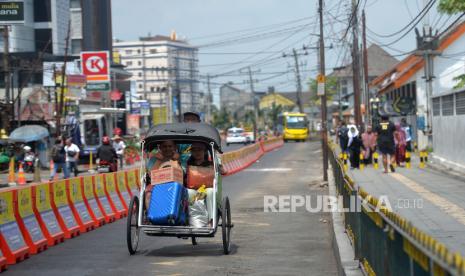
235,101
163,67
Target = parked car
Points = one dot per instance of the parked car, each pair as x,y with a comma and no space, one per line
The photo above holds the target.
235,135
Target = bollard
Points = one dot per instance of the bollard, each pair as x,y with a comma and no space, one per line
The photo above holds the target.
362,162
36,171
341,156
11,172
425,157
91,163
375,160
345,161
408,160
422,160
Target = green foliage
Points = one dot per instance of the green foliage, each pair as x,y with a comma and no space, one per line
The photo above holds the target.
451,6
460,81
331,89
222,119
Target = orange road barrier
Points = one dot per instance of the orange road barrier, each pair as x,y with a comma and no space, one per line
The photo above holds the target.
122,189
3,265
62,211
362,162
408,160
27,221
90,201
21,177
45,216
102,199
115,201
12,241
91,162
11,172
375,160
77,205
131,184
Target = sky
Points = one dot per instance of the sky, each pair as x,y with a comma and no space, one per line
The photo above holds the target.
234,34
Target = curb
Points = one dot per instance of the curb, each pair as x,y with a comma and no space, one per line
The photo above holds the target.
347,265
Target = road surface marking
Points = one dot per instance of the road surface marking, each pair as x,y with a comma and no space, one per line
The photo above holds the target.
173,263
269,170
445,205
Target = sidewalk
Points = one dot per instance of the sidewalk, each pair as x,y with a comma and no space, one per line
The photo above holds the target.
45,174
433,201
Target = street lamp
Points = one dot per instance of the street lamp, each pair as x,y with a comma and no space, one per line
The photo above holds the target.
374,103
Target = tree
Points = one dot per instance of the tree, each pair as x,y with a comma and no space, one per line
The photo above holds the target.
222,119
331,90
451,6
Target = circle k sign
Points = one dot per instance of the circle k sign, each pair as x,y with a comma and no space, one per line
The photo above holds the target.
95,65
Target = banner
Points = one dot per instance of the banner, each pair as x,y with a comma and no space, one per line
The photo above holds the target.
159,115
11,12
132,124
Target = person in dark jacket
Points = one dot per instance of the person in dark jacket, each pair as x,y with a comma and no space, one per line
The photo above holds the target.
354,145
58,155
107,154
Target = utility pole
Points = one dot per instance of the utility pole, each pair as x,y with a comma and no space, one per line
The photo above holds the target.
209,100
299,84
324,132
356,65
365,70
254,97
6,69
63,77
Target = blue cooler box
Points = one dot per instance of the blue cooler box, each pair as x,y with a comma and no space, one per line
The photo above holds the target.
168,204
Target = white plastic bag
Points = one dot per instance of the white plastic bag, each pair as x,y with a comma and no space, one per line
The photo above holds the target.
198,214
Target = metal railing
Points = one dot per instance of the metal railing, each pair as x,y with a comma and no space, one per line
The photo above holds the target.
384,242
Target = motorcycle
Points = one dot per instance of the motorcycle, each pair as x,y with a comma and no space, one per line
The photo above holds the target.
105,166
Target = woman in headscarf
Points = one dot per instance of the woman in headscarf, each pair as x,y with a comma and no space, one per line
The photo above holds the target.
400,141
369,144
354,146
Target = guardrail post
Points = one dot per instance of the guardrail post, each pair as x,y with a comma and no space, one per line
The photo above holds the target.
357,230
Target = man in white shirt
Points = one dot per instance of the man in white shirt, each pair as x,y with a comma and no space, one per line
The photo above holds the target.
72,156
119,146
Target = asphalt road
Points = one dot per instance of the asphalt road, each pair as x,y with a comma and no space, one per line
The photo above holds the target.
262,243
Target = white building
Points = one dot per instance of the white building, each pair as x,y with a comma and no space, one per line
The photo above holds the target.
163,66
404,89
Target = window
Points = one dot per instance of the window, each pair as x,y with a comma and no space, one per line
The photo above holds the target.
140,86
139,63
436,106
42,37
76,46
139,74
91,133
42,11
128,52
75,4
128,63
153,51
447,105
460,103
138,51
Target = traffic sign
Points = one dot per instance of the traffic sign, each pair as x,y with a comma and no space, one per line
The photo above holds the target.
96,66
115,95
98,86
320,79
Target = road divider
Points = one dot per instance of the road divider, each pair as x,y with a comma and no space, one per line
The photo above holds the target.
12,243
40,215
77,205
27,221
62,210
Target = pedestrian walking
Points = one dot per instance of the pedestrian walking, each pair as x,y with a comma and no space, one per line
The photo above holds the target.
369,145
119,146
58,155
354,145
401,143
408,134
342,134
72,156
385,142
